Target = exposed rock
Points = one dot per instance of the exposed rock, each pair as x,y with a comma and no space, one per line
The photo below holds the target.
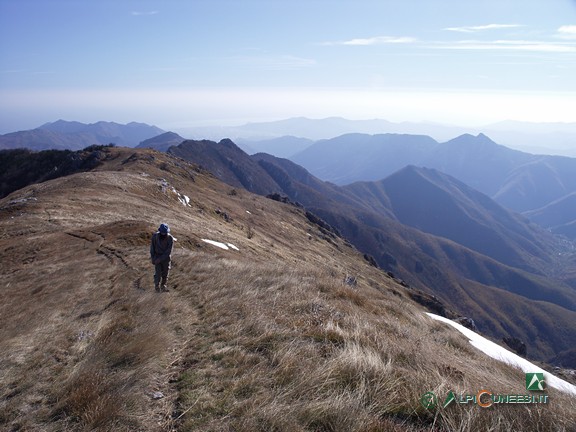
324,226
351,280
371,260
431,303
223,215
284,199
157,395
467,322
516,344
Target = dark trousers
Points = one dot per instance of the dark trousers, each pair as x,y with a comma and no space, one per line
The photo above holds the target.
161,273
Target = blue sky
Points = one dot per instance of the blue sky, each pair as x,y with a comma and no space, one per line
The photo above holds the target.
207,62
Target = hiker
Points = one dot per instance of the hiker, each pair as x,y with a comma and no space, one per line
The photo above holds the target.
160,250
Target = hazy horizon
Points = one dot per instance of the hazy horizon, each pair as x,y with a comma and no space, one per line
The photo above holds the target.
185,64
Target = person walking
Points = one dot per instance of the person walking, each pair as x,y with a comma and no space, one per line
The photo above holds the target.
160,250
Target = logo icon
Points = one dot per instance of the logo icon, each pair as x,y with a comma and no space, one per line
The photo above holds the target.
429,400
449,399
535,381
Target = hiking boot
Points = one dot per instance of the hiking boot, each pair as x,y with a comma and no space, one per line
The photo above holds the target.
157,288
165,288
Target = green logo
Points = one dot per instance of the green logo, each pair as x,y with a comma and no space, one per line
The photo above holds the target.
429,400
535,381
449,399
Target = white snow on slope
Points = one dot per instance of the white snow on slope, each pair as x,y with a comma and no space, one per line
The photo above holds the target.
184,199
231,246
502,354
225,246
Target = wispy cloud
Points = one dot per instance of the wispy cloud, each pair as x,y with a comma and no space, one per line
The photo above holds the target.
144,13
474,29
376,40
510,45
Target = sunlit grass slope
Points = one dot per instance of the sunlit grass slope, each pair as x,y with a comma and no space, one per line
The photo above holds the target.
269,337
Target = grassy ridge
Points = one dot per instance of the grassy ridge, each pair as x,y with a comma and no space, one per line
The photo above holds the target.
266,338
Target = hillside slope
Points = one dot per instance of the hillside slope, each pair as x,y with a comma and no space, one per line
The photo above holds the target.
456,274
462,278
230,164
21,167
558,216
266,337
162,142
439,204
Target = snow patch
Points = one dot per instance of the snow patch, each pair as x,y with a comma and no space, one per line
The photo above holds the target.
502,354
225,246
184,199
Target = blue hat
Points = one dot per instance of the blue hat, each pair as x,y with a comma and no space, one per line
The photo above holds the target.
164,229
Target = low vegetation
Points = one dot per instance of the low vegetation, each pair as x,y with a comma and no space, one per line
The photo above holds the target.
267,338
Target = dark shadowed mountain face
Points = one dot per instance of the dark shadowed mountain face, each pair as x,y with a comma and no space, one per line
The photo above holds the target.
75,136
513,297
227,162
21,167
439,204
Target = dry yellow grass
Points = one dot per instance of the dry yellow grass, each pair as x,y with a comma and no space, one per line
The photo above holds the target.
269,338
286,350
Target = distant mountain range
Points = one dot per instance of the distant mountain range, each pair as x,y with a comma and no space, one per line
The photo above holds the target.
519,181
284,138
73,135
436,233
536,185
537,138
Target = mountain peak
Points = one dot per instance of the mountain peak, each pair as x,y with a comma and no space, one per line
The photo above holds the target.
63,126
227,142
471,139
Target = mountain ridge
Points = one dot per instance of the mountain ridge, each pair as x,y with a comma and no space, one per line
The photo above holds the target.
453,269
63,134
519,181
